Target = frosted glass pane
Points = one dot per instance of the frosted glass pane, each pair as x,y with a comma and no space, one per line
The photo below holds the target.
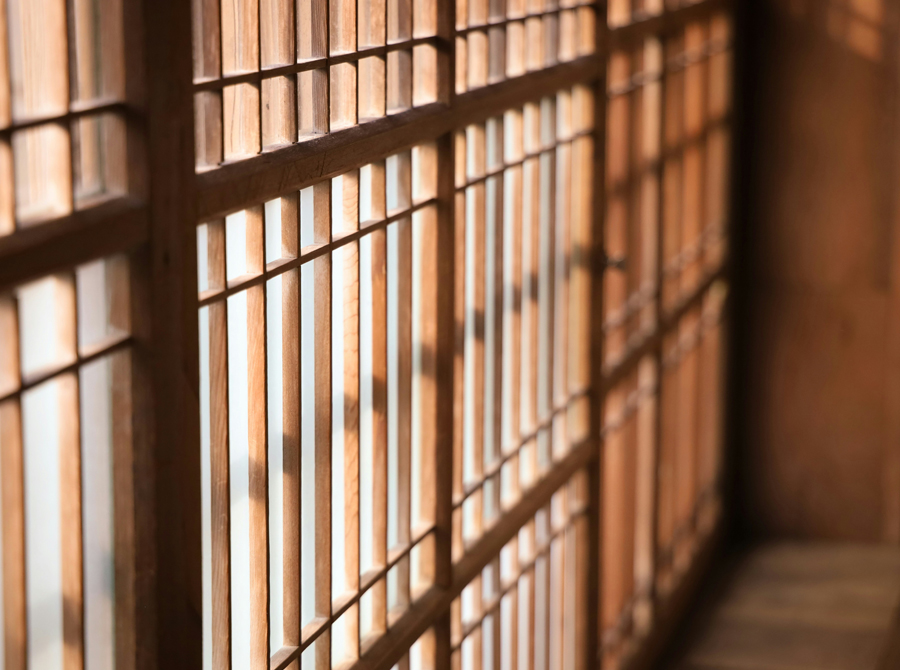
393,379
338,559
275,407
308,445
239,480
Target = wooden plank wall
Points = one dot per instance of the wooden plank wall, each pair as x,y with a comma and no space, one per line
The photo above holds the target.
820,351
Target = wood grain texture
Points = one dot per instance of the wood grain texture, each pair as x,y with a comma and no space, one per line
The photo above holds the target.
800,605
169,552
820,263
14,616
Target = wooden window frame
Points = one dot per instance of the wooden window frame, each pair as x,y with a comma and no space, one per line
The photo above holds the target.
156,226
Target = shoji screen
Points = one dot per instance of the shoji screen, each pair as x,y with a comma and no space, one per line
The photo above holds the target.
72,420
458,309
358,333
665,236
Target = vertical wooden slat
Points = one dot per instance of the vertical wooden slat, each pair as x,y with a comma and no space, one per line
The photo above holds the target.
513,299
240,105
475,276
124,409
614,489
342,26
207,42
323,440
589,236
694,157
240,35
207,64
258,484
350,295
495,361
5,92
371,17
404,400
459,387
38,51
221,486
399,20
12,503
290,291
425,287
668,438
379,422
276,32
672,176
686,461
312,29
444,368
70,522
279,111
343,95
13,510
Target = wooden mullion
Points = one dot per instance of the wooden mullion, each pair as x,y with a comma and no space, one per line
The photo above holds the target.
117,226
174,343
658,353
595,469
444,376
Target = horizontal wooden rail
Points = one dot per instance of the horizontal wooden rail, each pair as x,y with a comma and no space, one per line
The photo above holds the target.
251,181
663,24
112,227
77,110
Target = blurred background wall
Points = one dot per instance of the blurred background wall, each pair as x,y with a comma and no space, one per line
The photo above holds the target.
818,338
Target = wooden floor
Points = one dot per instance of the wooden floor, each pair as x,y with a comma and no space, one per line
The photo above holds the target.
800,607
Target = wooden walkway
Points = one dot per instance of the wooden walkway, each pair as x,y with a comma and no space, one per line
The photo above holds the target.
800,606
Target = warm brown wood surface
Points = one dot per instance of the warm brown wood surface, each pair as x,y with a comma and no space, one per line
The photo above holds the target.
800,606
822,413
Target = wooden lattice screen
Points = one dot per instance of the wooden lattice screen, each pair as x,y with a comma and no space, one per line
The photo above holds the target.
358,333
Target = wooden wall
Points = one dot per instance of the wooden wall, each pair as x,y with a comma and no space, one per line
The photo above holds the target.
819,353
